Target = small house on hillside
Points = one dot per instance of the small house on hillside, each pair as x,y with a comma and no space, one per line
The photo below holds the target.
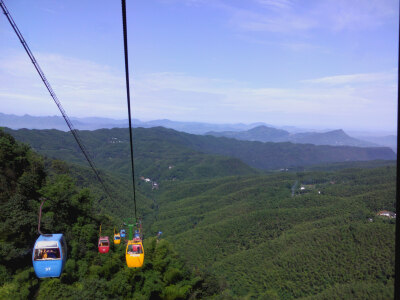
303,190
154,185
386,213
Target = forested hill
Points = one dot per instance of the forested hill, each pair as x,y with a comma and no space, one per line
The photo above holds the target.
166,154
25,178
156,155
311,235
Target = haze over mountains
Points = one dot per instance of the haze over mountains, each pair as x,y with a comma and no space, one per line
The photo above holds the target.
268,134
251,132
93,123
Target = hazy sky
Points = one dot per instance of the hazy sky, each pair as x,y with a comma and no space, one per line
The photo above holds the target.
313,63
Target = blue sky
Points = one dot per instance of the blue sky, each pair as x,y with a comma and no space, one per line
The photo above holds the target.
317,63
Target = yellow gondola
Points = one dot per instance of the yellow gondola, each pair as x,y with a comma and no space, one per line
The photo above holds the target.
134,253
117,238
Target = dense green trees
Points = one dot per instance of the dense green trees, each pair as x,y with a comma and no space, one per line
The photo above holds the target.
245,236
25,180
155,156
264,242
21,177
192,156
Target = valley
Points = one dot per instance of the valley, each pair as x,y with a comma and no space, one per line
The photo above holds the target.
309,231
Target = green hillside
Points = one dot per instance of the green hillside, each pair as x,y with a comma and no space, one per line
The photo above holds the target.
25,179
156,156
189,156
262,241
120,205
243,236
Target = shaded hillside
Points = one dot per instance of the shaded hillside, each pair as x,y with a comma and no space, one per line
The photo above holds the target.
189,156
348,165
333,138
266,156
156,156
259,133
388,140
264,242
270,134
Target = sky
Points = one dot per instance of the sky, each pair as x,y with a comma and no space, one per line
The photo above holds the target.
314,64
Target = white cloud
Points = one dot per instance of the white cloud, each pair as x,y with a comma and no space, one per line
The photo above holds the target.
82,86
357,101
282,21
279,4
355,78
294,17
89,89
356,14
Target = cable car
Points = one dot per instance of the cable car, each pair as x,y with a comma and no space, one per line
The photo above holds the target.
104,244
122,233
117,239
49,255
134,253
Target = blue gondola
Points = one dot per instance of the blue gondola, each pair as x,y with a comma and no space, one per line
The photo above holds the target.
137,235
122,232
49,255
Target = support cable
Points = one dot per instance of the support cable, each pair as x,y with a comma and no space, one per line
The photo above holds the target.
397,241
128,97
40,215
54,96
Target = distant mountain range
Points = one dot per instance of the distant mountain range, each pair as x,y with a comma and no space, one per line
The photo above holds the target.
269,134
248,132
387,141
93,123
57,122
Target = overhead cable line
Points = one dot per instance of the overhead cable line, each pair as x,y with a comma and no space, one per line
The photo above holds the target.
54,96
128,97
397,240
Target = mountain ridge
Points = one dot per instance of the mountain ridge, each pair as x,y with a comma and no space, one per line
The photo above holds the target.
269,134
158,148
94,123
253,132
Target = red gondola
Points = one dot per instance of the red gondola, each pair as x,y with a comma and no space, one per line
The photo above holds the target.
104,244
